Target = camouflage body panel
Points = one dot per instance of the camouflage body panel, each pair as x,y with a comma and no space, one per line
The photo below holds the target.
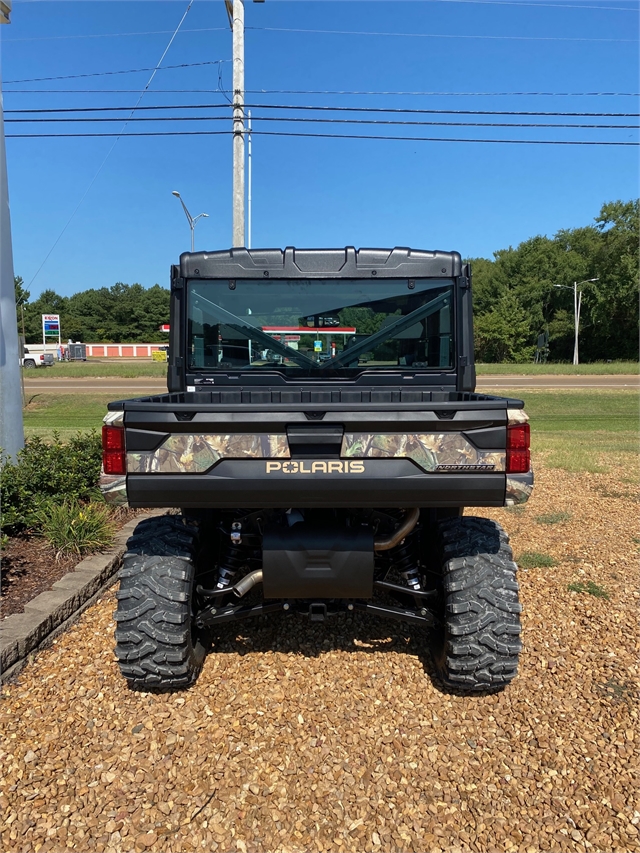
113,488
114,419
433,452
195,454
517,416
519,488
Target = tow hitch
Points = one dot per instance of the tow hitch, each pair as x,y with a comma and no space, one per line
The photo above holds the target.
317,612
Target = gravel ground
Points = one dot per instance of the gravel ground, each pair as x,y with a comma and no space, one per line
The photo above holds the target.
303,737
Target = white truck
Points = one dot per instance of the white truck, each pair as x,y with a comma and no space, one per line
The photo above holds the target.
36,359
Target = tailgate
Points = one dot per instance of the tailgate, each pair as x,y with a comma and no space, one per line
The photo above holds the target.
185,450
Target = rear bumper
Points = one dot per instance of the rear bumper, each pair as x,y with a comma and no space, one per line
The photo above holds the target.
380,483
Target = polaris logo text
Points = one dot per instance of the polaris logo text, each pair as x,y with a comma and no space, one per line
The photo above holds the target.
304,466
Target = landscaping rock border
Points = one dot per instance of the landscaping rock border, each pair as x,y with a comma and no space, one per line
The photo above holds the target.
50,613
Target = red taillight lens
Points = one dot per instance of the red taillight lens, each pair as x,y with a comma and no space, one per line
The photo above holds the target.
112,438
113,455
518,456
518,461
518,437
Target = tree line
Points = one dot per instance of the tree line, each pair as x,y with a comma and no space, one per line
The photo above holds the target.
127,313
515,298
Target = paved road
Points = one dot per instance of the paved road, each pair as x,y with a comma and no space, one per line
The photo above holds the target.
554,382
138,387
113,385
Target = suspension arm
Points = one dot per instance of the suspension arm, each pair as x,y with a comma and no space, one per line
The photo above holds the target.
212,616
424,617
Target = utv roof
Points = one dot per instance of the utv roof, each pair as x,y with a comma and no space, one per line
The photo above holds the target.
320,263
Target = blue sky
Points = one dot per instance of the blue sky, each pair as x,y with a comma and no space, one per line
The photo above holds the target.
476,198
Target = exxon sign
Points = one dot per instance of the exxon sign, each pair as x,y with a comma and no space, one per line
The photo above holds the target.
51,325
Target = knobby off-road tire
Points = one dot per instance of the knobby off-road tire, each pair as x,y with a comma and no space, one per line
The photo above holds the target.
478,644
156,646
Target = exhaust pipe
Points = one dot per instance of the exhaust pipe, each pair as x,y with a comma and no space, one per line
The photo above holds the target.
409,522
248,582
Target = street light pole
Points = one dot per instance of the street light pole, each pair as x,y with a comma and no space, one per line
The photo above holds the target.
190,219
577,304
576,320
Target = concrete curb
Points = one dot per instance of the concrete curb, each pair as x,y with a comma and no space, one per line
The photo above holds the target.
51,612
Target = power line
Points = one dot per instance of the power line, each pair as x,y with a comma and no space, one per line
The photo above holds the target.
319,135
119,135
274,29
330,32
116,35
342,121
323,92
432,94
110,73
536,5
117,139
438,35
415,111
517,3
393,110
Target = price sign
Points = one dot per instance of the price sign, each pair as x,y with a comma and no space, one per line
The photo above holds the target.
50,328
51,325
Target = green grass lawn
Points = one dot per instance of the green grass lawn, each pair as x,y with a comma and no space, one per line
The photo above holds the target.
64,413
91,369
583,430
599,368
133,369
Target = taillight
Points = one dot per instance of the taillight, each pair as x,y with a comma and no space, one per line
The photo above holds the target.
518,456
113,454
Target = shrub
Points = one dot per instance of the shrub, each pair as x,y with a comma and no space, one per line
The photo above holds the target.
73,528
47,473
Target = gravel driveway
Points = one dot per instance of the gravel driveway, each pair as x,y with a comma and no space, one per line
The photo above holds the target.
303,737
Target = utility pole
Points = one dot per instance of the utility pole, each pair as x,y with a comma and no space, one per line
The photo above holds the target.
249,181
237,26
235,11
11,424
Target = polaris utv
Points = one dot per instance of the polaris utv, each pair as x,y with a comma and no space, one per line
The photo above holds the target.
318,444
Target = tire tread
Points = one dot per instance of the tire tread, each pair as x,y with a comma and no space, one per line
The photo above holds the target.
154,643
480,644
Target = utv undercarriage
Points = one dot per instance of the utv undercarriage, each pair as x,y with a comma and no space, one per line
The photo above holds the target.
439,570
